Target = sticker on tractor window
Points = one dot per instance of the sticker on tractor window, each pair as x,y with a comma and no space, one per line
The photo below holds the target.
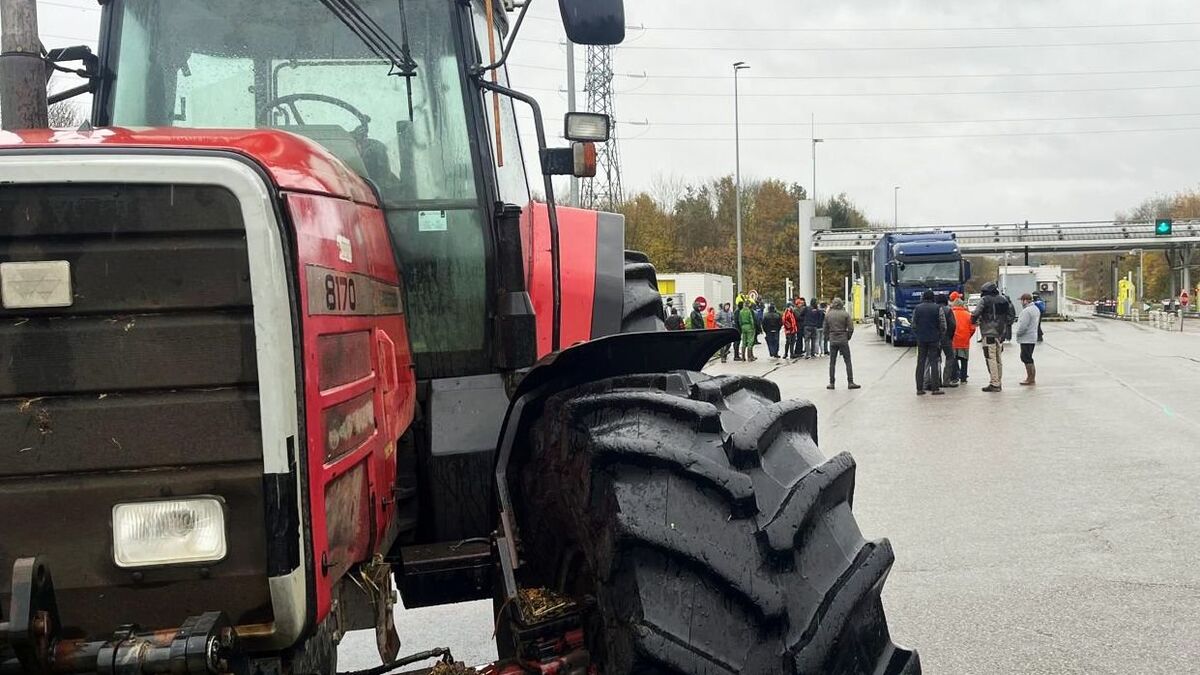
431,221
349,294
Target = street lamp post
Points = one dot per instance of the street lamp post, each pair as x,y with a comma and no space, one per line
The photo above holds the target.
737,163
896,208
1141,290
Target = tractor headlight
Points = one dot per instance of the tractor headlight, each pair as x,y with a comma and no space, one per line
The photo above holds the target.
168,532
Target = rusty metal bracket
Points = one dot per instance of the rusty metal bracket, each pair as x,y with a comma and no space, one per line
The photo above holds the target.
32,618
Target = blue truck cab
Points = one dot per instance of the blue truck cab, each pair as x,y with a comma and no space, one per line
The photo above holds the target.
905,265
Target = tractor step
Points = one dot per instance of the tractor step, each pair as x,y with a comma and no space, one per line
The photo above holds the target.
445,572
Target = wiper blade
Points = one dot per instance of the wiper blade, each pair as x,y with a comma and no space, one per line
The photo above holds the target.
350,13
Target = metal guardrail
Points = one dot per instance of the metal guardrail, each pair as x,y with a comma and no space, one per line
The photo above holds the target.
1076,236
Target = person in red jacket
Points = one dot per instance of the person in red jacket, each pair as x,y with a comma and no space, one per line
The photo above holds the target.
790,331
710,318
964,330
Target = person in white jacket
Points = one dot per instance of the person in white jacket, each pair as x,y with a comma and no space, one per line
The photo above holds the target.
1027,335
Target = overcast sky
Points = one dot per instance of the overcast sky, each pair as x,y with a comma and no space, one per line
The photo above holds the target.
958,169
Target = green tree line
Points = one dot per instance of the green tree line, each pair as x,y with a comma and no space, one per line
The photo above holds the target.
692,228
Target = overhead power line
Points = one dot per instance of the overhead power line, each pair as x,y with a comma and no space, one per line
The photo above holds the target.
914,76
891,48
897,29
51,3
998,120
990,92
806,139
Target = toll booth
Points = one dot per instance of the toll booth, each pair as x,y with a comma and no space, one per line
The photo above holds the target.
1044,280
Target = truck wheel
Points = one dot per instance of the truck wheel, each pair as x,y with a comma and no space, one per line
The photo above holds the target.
318,654
643,308
714,538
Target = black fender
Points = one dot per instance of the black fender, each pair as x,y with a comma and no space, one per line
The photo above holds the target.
611,356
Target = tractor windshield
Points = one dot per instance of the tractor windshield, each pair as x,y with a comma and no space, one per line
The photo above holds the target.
295,66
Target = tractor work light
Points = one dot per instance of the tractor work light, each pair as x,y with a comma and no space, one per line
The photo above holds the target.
172,532
585,126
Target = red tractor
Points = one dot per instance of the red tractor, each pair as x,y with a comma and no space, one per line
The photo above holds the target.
284,331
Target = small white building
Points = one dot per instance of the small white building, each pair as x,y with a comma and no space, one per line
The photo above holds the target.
683,288
1048,281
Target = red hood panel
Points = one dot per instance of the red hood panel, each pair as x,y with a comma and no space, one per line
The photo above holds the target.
294,162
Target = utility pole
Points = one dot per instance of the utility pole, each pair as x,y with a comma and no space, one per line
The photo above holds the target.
574,199
737,173
603,192
815,140
896,208
22,71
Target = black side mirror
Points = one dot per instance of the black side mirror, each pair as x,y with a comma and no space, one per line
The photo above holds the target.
593,22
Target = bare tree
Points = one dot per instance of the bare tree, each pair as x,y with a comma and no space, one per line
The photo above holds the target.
65,115
667,190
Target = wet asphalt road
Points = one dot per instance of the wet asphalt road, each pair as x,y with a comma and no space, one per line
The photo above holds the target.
1046,530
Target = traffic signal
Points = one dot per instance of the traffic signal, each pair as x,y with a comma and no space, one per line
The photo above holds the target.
1162,227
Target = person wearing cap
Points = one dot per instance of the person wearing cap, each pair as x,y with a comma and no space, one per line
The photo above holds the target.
1041,306
994,315
929,327
1027,335
964,330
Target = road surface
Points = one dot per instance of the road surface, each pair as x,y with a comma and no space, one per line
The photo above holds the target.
1043,530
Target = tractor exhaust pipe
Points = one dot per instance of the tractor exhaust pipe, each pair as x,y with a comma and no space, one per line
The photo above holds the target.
22,70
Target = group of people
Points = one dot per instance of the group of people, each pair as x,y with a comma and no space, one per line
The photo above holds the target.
809,331
696,320
942,325
944,328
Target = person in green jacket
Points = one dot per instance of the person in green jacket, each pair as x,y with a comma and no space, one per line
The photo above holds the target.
746,324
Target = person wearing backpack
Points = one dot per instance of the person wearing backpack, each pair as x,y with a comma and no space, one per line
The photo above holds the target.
994,316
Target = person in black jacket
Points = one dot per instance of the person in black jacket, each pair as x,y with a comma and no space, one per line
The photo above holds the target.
950,366
674,321
772,322
929,327
695,319
814,320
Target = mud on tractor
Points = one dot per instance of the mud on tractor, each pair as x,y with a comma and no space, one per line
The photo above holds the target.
284,334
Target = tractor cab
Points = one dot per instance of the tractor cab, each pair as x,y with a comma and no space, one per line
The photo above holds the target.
390,88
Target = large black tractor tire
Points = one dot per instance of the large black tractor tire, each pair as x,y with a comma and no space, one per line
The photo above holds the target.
642,309
713,536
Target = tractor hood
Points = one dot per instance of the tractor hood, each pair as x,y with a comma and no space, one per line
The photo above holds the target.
293,162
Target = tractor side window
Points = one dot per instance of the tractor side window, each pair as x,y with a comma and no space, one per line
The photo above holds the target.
509,164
